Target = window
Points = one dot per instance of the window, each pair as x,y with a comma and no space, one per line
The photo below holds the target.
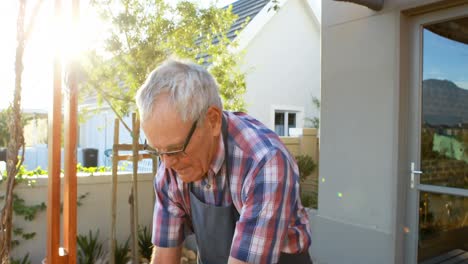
285,120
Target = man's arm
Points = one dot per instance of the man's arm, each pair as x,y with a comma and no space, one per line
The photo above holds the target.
166,255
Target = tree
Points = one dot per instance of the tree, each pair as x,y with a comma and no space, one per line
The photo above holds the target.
15,125
145,33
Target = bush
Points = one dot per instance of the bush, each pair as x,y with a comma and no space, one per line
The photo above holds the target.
144,243
306,166
309,201
89,248
121,252
24,260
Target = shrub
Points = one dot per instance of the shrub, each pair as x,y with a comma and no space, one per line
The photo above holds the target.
309,201
24,260
306,166
144,242
121,252
89,248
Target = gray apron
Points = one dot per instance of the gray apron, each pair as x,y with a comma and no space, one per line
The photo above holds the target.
214,225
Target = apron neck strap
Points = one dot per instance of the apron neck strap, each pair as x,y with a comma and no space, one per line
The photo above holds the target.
224,130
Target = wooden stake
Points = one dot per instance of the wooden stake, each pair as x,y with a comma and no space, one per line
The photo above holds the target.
132,225
70,143
54,148
134,193
115,163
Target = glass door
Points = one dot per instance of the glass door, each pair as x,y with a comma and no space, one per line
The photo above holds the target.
439,173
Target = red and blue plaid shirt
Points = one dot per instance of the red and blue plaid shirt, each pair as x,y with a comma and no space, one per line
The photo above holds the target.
264,187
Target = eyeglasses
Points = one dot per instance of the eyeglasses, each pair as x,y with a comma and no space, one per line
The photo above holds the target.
174,152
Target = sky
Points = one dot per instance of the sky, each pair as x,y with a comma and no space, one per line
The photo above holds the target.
37,75
445,59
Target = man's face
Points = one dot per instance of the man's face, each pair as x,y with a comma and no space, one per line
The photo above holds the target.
166,132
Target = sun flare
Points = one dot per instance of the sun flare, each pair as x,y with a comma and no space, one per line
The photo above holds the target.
51,37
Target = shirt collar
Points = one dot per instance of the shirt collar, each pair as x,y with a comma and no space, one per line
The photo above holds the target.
219,157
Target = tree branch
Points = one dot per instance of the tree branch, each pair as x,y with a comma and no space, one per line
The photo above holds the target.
118,116
106,94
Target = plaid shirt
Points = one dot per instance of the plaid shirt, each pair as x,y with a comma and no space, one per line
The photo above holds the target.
264,187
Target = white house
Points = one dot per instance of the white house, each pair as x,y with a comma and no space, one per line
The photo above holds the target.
282,61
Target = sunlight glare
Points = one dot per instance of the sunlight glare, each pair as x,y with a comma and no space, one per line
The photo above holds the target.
48,38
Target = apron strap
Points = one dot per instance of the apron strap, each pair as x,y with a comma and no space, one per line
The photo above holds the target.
224,128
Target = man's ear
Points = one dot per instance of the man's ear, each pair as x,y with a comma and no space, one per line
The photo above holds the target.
214,119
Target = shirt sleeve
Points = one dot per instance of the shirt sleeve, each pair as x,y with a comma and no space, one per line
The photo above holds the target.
168,215
267,206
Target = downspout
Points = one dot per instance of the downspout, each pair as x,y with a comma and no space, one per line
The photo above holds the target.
372,4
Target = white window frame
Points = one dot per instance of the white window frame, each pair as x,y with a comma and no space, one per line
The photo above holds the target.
298,110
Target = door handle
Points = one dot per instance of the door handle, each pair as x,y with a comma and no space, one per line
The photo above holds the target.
413,172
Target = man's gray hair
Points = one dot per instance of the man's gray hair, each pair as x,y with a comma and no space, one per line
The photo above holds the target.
190,87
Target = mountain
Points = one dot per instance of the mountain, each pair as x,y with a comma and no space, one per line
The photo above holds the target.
444,103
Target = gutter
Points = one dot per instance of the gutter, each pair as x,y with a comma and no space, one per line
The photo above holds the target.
375,5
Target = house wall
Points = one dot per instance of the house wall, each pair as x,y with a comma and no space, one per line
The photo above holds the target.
97,132
94,213
358,219
283,64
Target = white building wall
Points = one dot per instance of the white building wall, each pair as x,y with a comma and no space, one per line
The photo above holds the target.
283,64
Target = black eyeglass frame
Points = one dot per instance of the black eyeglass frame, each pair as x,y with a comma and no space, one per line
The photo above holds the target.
157,153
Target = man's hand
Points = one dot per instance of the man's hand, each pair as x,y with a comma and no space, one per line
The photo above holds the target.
166,255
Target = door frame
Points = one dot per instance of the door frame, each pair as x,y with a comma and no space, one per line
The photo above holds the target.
413,125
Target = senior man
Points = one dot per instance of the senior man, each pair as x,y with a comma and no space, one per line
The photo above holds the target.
224,176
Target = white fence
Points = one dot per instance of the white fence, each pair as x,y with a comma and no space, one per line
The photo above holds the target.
37,156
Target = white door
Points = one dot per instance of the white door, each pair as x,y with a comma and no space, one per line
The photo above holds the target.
438,138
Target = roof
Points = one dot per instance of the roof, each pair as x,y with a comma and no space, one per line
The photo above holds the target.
244,9
259,13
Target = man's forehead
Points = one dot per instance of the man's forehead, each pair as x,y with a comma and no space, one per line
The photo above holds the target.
165,126
166,143
164,109
165,132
